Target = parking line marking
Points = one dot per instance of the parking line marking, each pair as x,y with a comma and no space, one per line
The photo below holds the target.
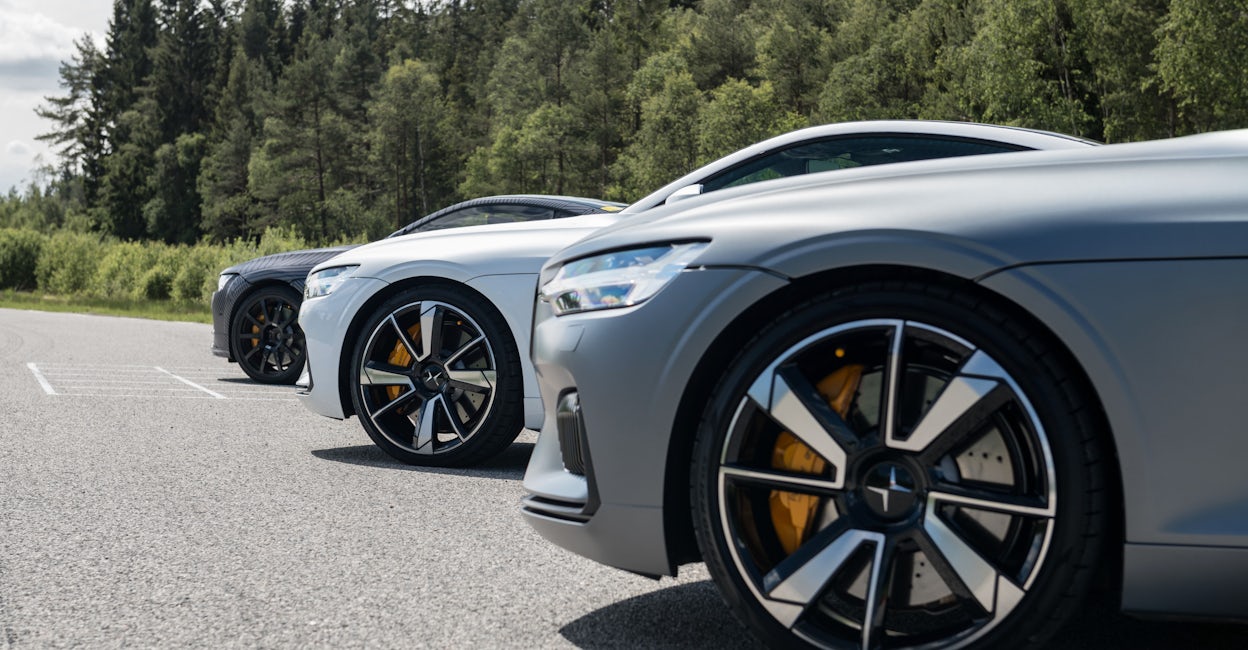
192,384
43,381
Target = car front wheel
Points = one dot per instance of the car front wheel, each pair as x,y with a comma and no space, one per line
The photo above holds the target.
436,378
899,466
266,339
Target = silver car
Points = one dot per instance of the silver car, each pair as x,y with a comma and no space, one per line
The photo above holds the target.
421,335
921,405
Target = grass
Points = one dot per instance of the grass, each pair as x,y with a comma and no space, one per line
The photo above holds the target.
152,309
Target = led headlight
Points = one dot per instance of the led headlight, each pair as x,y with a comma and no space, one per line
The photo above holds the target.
323,282
617,279
224,279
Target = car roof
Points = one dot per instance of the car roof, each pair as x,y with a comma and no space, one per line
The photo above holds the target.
1176,197
1023,138
574,204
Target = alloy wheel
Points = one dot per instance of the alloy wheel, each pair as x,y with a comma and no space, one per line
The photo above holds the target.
885,483
268,343
427,378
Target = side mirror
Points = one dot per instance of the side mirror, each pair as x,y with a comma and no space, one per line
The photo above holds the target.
685,192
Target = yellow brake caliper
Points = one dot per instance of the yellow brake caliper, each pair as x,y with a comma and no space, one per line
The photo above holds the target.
399,356
255,329
793,514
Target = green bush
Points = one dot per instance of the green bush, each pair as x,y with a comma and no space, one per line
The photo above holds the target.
279,240
123,267
67,263
19,257
196,277
156,283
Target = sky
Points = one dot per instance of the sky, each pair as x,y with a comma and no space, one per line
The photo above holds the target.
35,36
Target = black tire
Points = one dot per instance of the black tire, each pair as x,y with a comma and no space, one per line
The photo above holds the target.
265,338
456,404
977,522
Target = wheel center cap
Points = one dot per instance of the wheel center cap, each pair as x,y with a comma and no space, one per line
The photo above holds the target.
433,377
890,490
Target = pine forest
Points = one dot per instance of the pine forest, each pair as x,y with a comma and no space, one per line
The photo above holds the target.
217,120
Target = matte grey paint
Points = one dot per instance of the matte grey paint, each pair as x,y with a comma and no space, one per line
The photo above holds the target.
1135,256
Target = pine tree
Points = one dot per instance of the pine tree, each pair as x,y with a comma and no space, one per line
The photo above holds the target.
408,150
131,135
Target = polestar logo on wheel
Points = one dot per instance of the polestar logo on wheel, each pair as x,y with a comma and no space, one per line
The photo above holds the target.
433,377
887,485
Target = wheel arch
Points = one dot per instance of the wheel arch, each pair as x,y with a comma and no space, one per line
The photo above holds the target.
366,311
678,512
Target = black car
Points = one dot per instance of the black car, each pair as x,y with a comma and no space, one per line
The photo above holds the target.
255,310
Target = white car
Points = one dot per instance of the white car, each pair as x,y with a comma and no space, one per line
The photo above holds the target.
426,336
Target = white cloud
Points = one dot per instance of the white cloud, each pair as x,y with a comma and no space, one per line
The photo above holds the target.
35,36
27,36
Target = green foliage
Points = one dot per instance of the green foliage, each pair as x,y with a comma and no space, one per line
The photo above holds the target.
122,269
739,115
1202,59
196,276
19,258
408,143
335,120
156,283
278,240
666,145
67,263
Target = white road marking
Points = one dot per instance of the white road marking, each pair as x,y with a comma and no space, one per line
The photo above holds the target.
47,388
192,384
133,381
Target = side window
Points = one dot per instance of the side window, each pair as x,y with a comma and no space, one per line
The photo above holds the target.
483,214
474,216
843,153
508,213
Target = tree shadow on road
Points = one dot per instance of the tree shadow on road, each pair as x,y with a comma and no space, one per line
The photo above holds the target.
509,464
683,616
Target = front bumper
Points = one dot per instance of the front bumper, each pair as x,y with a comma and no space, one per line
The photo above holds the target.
325,322
223,302
629,369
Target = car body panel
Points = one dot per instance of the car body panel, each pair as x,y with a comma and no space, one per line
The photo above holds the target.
1137,348
514,250
1185,581
291,268
634,439
1134,256
498,261
322,328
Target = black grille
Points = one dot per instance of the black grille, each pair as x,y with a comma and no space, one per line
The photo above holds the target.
571,429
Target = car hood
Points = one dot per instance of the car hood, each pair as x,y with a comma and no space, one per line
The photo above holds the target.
1177,198
465,253
291,260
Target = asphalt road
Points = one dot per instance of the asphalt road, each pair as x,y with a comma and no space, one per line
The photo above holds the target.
152,496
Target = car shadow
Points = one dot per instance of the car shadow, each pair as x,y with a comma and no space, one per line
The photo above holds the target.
694,615
509,464
683,616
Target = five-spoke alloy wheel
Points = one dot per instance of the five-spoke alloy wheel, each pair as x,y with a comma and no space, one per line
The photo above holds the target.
436,378
265,337
882,469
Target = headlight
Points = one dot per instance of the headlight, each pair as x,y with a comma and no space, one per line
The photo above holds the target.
619,279
323,282
224,279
